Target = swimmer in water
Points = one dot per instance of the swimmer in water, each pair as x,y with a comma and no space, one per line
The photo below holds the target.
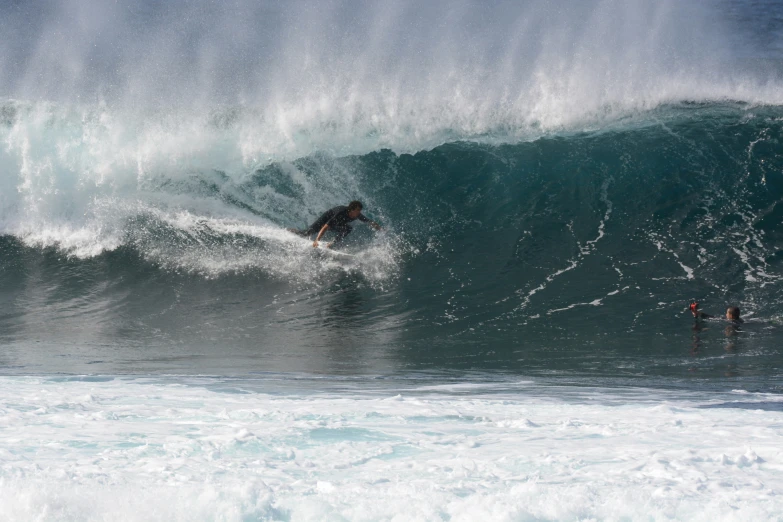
731,331
732,313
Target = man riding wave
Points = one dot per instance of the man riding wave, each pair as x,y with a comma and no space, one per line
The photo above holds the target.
336,219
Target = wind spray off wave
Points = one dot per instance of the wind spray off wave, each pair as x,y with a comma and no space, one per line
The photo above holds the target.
351,77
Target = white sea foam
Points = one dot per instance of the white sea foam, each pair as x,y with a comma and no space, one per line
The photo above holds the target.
175,449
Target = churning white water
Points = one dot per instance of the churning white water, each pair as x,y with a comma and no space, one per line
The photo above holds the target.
235,450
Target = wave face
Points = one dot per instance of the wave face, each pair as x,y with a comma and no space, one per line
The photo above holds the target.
576,253
556,183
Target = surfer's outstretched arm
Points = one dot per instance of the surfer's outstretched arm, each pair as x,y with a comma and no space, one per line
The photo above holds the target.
320,233
373,224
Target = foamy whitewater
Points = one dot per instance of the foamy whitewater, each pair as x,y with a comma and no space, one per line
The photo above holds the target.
556,182
217,449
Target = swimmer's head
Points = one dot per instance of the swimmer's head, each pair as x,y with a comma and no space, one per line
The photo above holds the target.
733,313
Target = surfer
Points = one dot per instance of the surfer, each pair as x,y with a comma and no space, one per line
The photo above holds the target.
336,219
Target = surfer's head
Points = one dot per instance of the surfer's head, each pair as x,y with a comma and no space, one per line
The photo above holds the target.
354,209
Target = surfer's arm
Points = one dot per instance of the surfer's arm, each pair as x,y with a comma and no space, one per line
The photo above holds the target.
320,233
370,222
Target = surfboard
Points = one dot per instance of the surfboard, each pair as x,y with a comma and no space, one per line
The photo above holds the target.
322,248
336,253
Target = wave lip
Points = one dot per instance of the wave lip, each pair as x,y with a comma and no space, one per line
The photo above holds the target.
349,77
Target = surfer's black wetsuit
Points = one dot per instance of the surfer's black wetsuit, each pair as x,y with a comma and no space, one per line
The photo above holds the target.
337,218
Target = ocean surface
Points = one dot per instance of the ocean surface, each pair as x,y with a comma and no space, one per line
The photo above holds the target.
556,181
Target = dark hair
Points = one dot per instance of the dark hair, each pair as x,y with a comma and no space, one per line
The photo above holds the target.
354,205
734,311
